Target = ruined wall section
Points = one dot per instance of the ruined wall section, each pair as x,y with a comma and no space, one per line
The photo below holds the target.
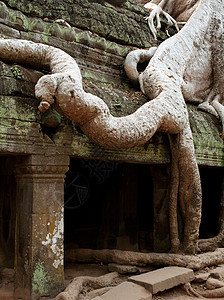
130,27
100,36
100,56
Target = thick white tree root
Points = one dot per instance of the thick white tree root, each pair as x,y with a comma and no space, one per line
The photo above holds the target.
133,59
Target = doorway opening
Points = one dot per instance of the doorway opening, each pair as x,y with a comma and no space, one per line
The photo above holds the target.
108,205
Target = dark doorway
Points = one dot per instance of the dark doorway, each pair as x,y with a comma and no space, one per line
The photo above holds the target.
211,179
7,210
108,205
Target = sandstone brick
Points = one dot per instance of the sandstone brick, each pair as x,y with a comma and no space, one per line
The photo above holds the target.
163,279
127,291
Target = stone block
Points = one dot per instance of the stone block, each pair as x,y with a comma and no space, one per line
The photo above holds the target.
126,291
123,269
163,279
218,273
201,277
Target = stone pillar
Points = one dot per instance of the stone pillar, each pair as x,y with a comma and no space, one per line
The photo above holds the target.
39,252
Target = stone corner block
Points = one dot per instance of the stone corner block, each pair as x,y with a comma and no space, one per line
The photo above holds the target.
163,279
127,290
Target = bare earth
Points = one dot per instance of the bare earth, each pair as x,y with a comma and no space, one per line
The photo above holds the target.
75,270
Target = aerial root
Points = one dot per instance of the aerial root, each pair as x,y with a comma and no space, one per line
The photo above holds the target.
155,12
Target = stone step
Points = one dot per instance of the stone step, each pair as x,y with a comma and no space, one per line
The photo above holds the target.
163,279
126,291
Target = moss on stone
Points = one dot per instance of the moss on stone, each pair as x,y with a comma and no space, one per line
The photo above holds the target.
125,25
41,279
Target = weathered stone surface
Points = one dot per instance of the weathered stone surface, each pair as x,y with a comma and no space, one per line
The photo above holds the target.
127,290
201,277
123,269
213,283
163,279
39,268
124,24
218,273
7,275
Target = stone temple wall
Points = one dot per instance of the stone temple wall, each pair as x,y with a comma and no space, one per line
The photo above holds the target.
99,39
35,148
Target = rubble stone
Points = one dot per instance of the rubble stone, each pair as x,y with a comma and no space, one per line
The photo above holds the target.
218,273
123,269
126,290
163,279
201,277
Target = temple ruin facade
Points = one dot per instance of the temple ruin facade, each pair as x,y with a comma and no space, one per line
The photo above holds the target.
52,175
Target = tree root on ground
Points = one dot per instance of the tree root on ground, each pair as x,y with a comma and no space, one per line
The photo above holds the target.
212,243
215,294
79,284
106,256
97,293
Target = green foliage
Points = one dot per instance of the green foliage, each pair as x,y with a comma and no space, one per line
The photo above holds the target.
16,72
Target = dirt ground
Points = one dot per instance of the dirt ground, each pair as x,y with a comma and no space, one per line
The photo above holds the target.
75,270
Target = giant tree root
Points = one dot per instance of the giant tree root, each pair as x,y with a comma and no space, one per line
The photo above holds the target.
106,256
78,284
